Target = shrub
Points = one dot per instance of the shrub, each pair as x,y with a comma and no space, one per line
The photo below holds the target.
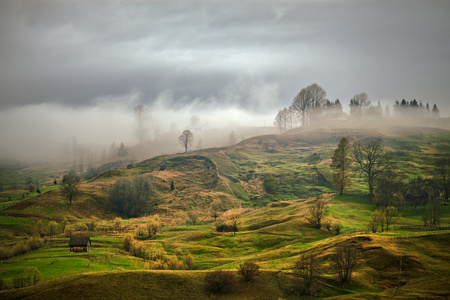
92,223
220,282
52,228
153,226
35,242
127,241
188,261
68,231
337,226
248,270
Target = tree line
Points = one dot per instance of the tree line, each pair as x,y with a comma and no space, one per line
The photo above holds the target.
311,106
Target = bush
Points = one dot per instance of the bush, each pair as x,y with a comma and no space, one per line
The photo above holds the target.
220,282
127,241
248,270
225,227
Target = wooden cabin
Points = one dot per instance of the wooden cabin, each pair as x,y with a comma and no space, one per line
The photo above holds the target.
80,244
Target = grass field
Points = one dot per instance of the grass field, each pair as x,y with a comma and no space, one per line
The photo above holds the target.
273,181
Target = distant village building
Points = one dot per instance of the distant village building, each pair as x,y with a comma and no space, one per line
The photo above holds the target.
80,244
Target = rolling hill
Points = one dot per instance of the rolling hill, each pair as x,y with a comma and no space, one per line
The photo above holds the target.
272,181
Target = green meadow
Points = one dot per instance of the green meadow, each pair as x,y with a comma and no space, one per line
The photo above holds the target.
272,181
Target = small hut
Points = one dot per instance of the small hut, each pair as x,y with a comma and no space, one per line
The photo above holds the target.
80,244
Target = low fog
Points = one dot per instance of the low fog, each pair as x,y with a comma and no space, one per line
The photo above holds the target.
41,132
73,72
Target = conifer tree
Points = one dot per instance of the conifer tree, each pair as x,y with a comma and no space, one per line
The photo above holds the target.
341,162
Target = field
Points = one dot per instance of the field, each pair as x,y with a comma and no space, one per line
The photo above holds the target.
272,181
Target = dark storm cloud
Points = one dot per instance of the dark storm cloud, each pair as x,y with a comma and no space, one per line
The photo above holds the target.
221,52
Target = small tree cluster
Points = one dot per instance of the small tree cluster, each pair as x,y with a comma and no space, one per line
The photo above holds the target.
157,259
130,197
333,224
33,243
230,221
382,219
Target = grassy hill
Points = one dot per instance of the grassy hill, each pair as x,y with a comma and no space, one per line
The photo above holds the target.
273,180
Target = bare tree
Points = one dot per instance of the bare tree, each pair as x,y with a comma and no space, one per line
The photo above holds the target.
186,139
307,268
309,101
358,103
344,262
280,120
371,160
232,138
70,185
248,270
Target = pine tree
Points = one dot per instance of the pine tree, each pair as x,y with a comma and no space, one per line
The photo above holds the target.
435,110
341,162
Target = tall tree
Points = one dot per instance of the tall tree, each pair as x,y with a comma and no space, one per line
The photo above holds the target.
141,113
280,120
344,262
341,165
309,101
70,185
358,103
442,176
186,139
371,159
435,111
308,269
388,188
122,151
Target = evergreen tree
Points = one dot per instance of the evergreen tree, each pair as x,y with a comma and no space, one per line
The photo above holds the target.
341,162
435,110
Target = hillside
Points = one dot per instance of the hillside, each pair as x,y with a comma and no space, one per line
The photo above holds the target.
272,181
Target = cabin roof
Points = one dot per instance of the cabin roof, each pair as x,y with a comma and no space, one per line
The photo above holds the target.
79,241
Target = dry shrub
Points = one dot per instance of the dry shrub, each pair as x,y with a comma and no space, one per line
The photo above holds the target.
220,282
127,240
248,270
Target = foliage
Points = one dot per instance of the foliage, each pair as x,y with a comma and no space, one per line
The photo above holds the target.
70,185
153,226
248,270
130,197
377,221
432,217
341,163
371,160
220,282
442,176
316,213
388,188
52,228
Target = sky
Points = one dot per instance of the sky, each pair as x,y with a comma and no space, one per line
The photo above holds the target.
78,68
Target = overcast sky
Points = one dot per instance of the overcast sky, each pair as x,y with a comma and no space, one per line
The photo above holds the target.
95,59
